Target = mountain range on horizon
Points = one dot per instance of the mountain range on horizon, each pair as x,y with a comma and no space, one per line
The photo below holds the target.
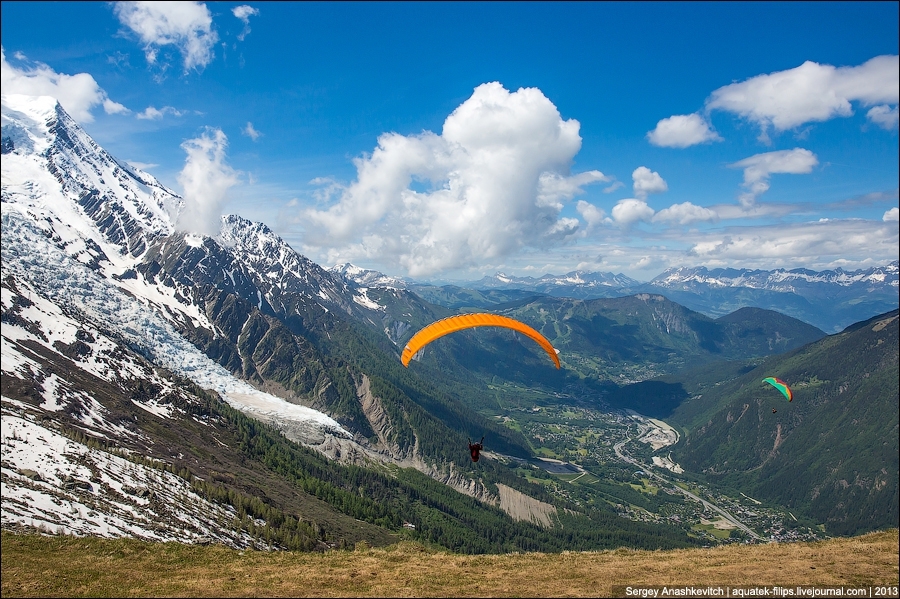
830,299
160,383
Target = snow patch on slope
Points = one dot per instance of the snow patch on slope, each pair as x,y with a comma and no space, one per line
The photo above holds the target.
55,484
365,301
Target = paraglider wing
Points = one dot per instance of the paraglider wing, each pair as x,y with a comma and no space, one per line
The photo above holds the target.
466,321
781,386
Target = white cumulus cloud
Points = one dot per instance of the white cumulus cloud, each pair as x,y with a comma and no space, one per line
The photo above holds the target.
759,167
554,189
682,131
152,113
884,116
892,215
185,25
244,12
205,179
647,182
782,100
141,165
685,214
251,132
630,211
78,94
592,215
613,187
809,93
492,183
814,243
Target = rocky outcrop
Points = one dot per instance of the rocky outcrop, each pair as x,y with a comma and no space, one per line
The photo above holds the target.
378,418
522,507
468,486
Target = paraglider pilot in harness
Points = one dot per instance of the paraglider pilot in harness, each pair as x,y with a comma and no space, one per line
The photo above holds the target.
475,449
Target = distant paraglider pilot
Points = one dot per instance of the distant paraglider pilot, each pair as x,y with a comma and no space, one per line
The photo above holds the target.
781,386
475,449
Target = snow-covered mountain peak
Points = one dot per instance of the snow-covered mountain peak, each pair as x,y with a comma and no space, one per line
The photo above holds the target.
26,122
272,262
38,108
237,231
348,270
365,277
104,213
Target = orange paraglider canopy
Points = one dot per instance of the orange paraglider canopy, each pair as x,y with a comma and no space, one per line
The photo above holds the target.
465,321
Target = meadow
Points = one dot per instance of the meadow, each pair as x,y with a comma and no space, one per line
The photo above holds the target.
59,566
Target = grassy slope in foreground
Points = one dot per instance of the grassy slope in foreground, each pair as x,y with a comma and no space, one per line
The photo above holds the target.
47,566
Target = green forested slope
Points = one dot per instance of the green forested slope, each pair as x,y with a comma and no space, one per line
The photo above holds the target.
439,514
832,453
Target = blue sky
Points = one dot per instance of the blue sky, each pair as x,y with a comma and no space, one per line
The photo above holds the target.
451,140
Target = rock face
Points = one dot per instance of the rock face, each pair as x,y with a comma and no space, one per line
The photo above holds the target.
522,507
378,420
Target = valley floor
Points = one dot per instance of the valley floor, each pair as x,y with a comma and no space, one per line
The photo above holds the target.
584,446
47,566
